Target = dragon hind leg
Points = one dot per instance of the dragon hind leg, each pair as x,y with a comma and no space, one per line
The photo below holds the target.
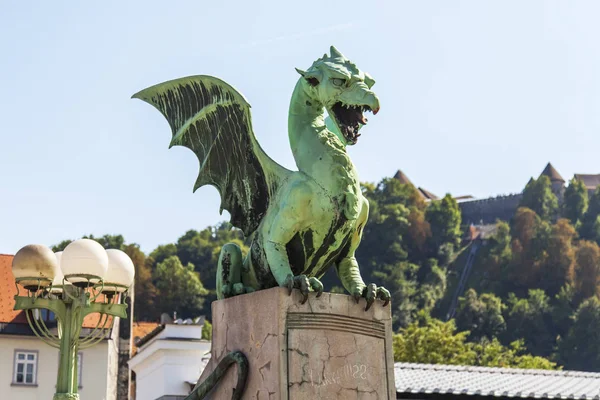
229,272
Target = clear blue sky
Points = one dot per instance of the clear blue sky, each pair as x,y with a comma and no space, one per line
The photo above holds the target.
476,97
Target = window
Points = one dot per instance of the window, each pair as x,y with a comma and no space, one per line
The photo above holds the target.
48,316
25,368
44,314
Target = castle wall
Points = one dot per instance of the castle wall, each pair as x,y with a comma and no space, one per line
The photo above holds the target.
487,211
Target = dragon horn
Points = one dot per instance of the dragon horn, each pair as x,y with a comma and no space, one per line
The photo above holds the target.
335,53
300,71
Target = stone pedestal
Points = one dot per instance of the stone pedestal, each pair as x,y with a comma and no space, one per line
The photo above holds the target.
328,348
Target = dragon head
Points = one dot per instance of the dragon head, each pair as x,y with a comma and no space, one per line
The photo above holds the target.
344,90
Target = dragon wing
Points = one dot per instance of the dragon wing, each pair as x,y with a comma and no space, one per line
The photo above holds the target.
213,120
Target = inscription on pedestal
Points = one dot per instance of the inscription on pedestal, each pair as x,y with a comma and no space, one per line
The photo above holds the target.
333,357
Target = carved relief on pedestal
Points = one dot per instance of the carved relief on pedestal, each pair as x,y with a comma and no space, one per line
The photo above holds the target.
336,357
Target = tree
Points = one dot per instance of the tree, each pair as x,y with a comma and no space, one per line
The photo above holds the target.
162,252
433,285
556,268
590,223
575,201
436,342
392,191
419,231
400,280
563,309
529,234
202,249
383,243
499,245
207,330
61,246
580,349
497,256
491,353
395,249
480,315
144,290
444,218
587,270
538,196
529,319
107,241
179,287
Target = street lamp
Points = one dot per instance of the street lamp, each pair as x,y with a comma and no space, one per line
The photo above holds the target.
81,280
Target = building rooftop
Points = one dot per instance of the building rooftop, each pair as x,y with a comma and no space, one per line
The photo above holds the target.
400,176
426,194
144,332
552,173
590,181
429,379
140,330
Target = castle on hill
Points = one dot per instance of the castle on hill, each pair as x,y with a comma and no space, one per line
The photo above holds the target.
487,211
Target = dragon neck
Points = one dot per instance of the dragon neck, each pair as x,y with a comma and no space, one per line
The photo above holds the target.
319,152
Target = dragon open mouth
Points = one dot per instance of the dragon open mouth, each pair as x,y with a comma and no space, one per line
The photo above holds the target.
349,120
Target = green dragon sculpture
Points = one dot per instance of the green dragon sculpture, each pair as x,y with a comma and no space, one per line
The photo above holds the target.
304,221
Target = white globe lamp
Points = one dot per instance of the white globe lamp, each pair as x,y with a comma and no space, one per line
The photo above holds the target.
58,283
34,267
120,274
84,262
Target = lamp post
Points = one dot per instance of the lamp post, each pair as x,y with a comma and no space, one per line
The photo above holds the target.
81,280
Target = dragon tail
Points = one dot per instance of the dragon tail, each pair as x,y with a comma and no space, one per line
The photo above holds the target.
203,388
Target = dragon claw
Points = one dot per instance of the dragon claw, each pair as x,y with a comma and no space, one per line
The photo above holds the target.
236,289
384,294
316,285
371,293
304,284
289,283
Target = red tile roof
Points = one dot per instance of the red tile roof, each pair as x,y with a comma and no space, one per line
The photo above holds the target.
8,290
140,330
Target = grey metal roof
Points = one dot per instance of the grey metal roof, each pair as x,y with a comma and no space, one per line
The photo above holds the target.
497,382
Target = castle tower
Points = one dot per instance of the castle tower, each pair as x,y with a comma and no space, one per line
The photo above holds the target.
557,181
425,194
400,176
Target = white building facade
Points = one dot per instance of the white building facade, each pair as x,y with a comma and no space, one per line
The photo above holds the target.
169,361
28,367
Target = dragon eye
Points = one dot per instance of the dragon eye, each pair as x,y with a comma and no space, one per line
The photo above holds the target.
338,81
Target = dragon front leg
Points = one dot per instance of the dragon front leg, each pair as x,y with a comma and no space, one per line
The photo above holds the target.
292,216
349,272
229,272
349,275
280,268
